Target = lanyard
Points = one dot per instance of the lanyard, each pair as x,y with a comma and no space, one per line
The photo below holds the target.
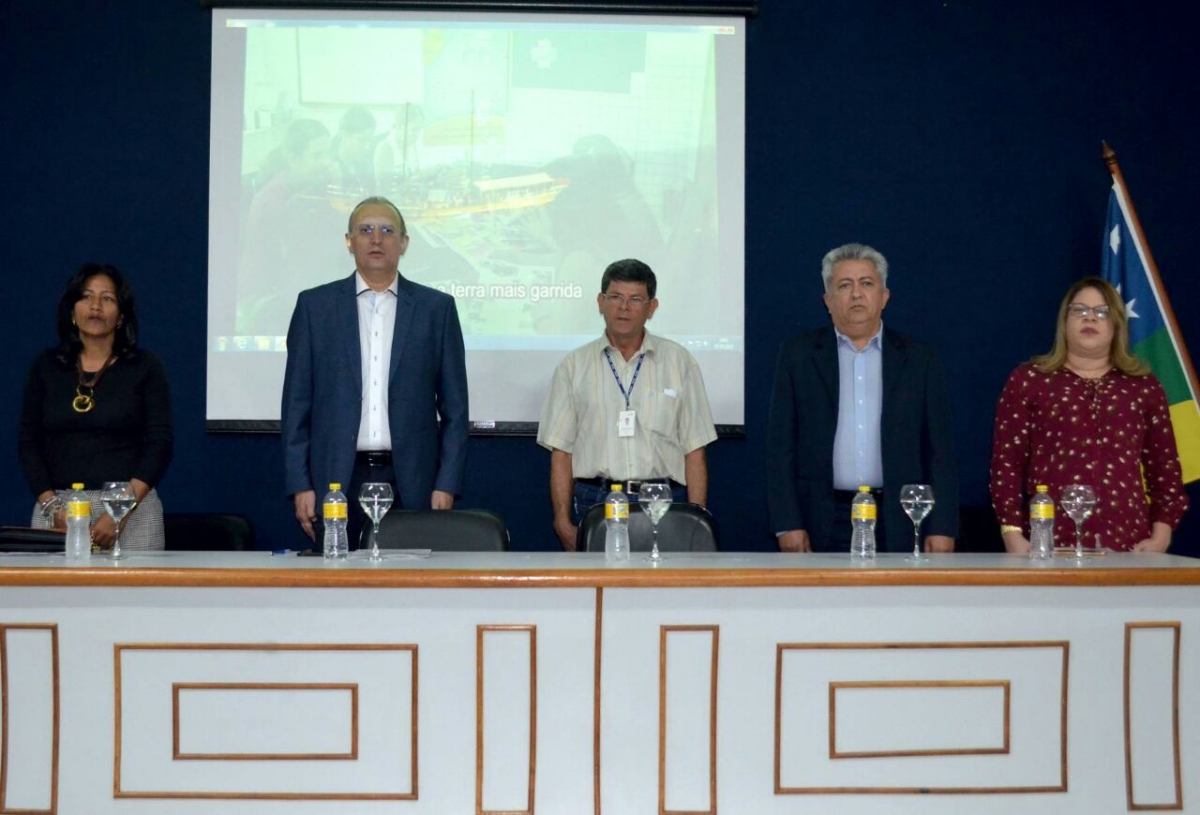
626,393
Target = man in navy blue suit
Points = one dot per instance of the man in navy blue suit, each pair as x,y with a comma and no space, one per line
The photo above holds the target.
857,404
373,361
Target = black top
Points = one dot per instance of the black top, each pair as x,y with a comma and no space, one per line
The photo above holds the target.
126,435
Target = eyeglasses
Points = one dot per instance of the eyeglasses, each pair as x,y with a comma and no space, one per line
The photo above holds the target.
367,230
618,300
1079,310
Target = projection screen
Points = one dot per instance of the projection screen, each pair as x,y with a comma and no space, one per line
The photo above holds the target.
526,152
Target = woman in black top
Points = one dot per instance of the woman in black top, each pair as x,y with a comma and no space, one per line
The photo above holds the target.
97,409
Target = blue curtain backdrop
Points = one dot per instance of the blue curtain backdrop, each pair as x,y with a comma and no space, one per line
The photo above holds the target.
960,137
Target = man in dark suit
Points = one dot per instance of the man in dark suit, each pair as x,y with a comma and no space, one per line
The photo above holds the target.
857,404
373,361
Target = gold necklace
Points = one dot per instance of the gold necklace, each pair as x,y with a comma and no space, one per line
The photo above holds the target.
85,399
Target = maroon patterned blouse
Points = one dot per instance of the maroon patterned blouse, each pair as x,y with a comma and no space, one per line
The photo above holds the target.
1060,428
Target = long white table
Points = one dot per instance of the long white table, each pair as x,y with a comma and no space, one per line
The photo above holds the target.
731,683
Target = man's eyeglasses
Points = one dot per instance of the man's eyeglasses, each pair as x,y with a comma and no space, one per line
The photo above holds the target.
369,229
1079,311
618,300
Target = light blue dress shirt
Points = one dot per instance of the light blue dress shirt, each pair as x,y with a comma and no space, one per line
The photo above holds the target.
857,455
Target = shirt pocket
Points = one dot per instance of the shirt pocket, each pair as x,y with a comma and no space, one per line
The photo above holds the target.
663,410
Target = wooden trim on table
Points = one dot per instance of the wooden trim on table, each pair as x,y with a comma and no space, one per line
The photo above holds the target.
55,717
119,647
405,578
780,648
480,630
663,631
1003,684
413,746
599,639
3,716
1130,803
352,687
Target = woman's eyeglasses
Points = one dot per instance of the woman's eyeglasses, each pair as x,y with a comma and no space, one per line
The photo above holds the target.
1078,310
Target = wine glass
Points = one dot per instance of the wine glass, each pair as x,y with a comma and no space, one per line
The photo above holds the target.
375,498
917,501
1078,500
118,500
655,498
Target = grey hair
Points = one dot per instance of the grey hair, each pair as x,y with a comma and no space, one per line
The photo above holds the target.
853,251
381,201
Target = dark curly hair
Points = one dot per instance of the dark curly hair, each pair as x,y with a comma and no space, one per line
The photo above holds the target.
125,341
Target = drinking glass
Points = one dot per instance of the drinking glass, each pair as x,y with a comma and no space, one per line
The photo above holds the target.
118,501
655,499
375,498
917,501
1078,500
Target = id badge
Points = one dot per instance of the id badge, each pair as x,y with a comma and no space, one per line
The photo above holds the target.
625,423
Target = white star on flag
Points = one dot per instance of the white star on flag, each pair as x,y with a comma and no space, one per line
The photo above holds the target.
1130,314
1114,239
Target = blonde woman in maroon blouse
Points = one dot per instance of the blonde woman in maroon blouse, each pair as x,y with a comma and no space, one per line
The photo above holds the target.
1088,412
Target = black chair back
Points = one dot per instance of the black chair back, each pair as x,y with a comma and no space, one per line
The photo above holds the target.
207,532
26,539
453,530
685,528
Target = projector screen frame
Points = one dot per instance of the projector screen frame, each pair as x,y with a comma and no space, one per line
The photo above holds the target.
744,8
698,8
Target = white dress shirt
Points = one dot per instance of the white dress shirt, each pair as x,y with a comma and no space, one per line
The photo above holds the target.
376,325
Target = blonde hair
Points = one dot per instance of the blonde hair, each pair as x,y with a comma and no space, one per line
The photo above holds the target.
1119,355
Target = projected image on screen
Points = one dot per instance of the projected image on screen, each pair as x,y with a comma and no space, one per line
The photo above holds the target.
525,157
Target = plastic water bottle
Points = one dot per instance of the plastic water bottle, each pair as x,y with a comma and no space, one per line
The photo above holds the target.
616,526
337,541
862,518
1041,524
79,525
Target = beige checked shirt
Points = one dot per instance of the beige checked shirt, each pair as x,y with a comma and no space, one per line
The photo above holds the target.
673,418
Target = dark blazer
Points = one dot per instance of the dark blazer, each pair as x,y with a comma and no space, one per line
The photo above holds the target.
915,431
322,392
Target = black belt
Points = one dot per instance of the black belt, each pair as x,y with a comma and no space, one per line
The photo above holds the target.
846,496
630,486
373,458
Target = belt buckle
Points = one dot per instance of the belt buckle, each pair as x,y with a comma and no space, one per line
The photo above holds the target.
633,486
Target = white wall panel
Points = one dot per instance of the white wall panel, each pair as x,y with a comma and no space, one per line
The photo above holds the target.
507,692
30,713
1152,698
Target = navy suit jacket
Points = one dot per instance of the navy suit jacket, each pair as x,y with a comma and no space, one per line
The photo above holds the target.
322,392
916,435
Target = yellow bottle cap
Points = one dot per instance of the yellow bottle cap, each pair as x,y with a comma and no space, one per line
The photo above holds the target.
76,486
864,488
616,488
335,486
1042,488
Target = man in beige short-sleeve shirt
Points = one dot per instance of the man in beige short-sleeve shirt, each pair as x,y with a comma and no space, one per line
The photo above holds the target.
627,406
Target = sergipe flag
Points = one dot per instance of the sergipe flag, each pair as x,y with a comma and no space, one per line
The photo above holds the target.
1152,335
